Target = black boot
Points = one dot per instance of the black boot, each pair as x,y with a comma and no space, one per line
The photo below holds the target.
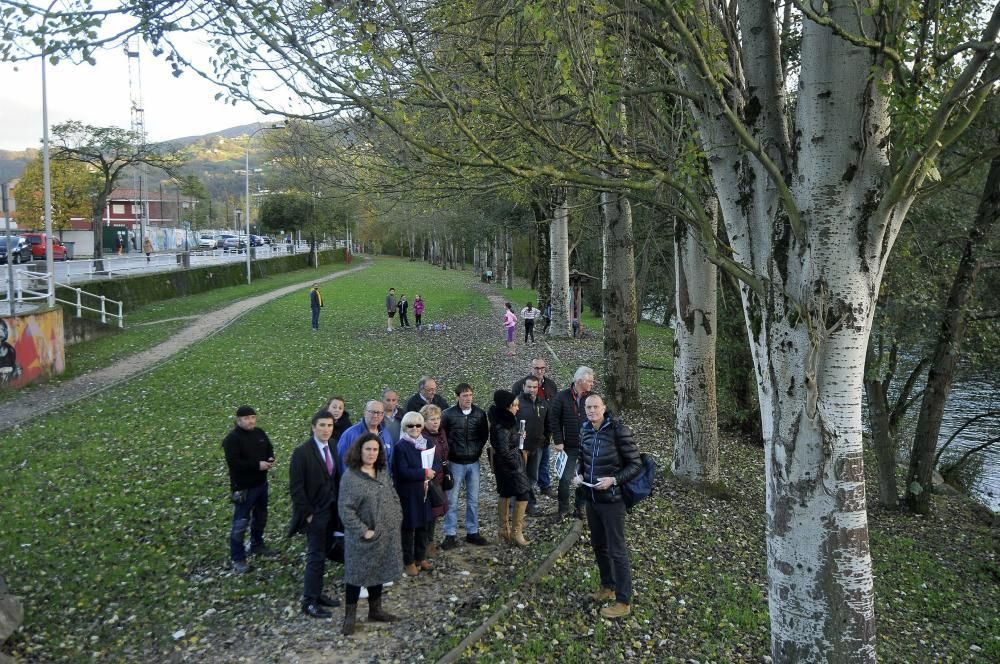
350,617
376,614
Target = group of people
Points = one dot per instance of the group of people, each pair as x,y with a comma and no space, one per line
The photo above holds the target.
373,491
529,314
400,305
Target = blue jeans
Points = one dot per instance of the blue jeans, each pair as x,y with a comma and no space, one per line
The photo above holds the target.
467,473
250,513
565,490
544,479
315,321
531,470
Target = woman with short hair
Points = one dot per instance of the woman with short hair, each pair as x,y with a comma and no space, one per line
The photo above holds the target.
412,478
436,436
369,510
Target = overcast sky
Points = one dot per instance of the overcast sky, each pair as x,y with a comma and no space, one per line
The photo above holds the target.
99,95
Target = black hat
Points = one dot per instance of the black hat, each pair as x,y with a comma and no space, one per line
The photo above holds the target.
503,399
243,411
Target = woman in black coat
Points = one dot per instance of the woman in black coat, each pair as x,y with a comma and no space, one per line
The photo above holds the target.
508,466
411,478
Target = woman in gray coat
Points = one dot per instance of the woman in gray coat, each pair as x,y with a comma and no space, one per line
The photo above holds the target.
369,509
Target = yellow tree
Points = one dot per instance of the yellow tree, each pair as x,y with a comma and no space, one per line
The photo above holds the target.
73,184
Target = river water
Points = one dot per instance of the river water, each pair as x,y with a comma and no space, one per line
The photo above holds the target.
970,397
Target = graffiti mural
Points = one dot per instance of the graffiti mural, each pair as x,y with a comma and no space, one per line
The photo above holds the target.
32,348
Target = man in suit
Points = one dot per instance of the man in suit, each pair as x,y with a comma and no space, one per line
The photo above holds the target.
426,393
313,481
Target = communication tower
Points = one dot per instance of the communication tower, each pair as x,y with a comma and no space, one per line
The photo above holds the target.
140,206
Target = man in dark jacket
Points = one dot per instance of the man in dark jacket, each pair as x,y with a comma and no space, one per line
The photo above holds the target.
608,460
315,304
547,391
566,416
534,412
426,393
249,456
468,431
313,482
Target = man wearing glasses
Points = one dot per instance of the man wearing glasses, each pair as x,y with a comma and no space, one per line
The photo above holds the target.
372,422
547,391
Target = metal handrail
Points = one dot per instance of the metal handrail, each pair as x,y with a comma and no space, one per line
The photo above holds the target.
27,294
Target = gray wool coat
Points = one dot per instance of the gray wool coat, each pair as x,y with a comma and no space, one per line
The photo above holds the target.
367,503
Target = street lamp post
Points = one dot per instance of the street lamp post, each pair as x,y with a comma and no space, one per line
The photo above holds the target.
50,264
246,200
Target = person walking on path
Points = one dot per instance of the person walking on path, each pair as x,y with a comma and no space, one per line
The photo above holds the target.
315,303
608,460
507,439
404,307
390,308
509,324
529,314
313,481
147,248
418,310
249,457
370,512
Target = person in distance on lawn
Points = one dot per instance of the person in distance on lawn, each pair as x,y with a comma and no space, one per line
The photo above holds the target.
313,483
468,431
249,457
608,460
508,465
390,308
436,436
567,415
404,307
411,480
426,393
315,304
418,309
369,509
547,391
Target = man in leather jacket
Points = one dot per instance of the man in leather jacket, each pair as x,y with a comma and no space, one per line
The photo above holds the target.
468,431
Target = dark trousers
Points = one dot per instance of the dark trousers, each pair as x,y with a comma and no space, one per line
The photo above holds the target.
252,514
531,468
529,329
572,454
414,544
319,537
353,593
403,320
544,478
315,320
418,316
607,537
548,322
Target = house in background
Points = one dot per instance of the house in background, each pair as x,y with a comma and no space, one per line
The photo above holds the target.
124,208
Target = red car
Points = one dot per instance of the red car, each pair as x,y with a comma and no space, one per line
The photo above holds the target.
37,241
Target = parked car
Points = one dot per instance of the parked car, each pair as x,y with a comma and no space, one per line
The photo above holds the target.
20,249
221,238
256,241
233,243
207,241
37,241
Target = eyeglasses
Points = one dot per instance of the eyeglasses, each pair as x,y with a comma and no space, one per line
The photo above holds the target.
538,368
414,426
375,412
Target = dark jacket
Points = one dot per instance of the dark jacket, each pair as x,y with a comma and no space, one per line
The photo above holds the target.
311,489
508,462
535,414
608,451
467,434
244,452
342,424
546,388
566,416
416,402
408,476
315,299
440,442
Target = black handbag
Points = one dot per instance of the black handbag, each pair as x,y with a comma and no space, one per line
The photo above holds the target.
435,494
448,483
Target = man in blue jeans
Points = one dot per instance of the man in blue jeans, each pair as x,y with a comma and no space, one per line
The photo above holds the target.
249,456
468,431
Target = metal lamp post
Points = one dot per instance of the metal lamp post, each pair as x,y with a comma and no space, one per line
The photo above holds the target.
50,263
246,200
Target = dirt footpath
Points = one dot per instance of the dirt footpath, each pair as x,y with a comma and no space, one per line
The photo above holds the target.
51,397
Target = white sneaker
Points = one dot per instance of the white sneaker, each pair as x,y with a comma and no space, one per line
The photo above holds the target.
364,593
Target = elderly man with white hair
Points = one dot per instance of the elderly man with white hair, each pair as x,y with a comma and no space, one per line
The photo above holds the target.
566,416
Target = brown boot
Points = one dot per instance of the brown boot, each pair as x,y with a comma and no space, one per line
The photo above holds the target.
503,515
376,614
616,610
517,535
350,617
411,570
424,565
432,550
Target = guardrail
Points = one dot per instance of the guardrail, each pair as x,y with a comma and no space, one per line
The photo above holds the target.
25,290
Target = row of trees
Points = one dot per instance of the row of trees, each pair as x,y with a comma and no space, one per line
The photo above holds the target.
785,145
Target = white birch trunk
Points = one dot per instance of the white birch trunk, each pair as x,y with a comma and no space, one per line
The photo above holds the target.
559,267
696,442
508,245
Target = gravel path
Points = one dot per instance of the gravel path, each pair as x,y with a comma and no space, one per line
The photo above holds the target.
48,398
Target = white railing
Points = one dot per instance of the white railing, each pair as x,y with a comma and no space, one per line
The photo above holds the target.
26,283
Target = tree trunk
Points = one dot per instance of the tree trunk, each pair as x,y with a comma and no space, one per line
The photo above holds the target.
621,341
559,266
543,218
947,351
696,442
883,440
508,257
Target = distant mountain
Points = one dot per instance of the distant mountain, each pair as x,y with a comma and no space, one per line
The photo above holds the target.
12,163
232,132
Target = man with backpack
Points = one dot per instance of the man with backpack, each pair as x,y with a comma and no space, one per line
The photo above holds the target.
608,460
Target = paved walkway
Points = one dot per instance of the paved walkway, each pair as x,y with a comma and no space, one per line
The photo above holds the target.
47,398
